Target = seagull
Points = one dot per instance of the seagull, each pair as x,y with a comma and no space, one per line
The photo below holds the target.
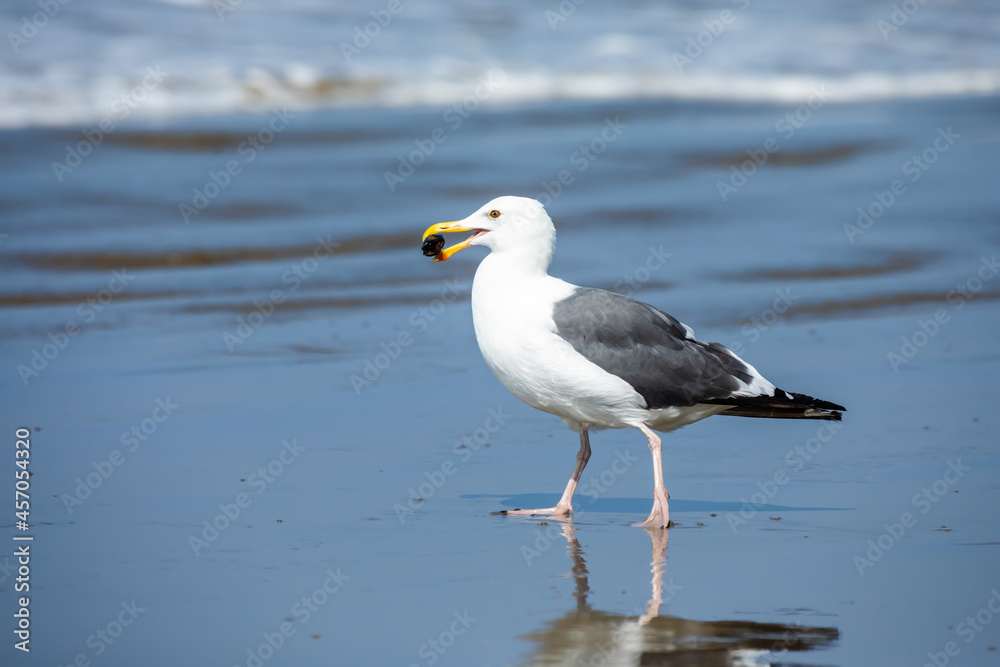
595,358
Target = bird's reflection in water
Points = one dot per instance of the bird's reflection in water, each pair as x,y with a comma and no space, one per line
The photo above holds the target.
588,637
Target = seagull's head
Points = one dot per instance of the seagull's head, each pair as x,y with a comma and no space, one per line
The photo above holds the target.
517,226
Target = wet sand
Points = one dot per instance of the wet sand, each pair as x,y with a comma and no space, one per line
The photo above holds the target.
296,416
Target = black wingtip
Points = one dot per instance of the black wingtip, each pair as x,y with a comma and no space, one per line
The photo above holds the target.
783,405
830,415
816,402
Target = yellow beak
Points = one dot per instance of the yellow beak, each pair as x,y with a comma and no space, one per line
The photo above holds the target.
457,226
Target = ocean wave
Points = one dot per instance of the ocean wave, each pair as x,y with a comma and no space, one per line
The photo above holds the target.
88,64
257,90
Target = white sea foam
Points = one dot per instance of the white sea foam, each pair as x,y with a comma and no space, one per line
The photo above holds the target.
88,60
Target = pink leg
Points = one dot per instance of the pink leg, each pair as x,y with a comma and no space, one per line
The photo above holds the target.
565,506
659,516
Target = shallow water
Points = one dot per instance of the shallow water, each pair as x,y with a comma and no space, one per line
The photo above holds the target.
362,358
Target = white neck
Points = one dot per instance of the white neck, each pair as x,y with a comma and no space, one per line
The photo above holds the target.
504,280
529,257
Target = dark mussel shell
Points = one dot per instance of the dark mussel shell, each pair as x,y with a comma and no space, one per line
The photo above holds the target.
432,245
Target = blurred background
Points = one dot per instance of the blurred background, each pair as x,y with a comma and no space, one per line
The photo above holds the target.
261,429
226,56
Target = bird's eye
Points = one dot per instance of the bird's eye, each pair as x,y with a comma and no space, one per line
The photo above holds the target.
494,214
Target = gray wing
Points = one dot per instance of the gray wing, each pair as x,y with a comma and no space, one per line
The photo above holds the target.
648,348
